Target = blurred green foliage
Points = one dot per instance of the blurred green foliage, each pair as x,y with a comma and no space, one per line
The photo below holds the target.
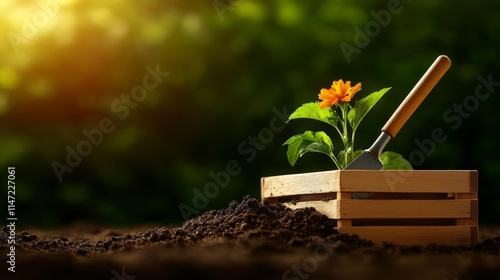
229,66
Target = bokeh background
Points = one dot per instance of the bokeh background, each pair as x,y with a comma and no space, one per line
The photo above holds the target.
230,63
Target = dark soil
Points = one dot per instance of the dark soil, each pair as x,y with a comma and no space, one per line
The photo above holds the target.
247,240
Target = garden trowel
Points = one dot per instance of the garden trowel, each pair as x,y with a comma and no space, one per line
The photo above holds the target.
370,158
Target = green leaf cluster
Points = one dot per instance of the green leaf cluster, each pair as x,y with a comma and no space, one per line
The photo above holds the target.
345,119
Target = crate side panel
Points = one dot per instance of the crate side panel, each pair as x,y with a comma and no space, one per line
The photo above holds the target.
297,184
435,181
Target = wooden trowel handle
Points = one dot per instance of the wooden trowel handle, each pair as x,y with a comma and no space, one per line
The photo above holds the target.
417,95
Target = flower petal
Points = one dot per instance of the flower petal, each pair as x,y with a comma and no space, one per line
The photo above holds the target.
325,103
340,91
324,94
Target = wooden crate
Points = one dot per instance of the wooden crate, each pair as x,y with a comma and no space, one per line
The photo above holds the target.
406,207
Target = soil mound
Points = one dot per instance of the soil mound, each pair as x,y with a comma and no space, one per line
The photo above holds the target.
246,221
247,240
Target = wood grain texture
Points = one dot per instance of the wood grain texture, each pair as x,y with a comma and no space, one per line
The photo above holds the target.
296,184
367,209
409,181
392,209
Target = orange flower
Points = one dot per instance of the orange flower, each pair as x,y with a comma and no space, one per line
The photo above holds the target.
338,92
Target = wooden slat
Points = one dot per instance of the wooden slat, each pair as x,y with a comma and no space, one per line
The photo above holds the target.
409,181
442,181
296,184
393,209
406,222
416,235
359,208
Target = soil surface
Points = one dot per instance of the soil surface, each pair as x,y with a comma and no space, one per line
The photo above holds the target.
247,240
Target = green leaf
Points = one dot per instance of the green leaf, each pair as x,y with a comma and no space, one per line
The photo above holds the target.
363,106
394,161
293,151
317,142
312,111
291,139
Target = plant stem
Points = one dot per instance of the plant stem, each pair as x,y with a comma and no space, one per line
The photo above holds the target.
336,161
353,133
345,137
341,134
335,124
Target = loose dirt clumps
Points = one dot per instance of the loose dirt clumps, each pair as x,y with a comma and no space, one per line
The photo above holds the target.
250,218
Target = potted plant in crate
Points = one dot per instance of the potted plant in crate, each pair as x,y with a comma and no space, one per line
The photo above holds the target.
337,111
407,206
